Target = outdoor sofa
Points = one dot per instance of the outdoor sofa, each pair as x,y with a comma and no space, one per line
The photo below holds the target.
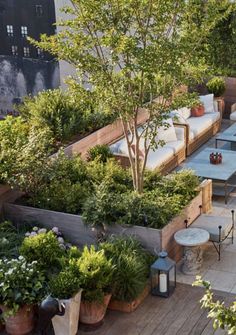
164,158
199,129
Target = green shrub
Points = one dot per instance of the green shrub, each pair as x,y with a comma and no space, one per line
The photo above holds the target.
96,274
10,240
64,186
65,284
100,152
56,110
21,283
131,267
111,174
216,85
13,134
43,248
184,183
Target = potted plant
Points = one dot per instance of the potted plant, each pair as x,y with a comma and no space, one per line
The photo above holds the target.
22,286
197,108
66,287
96,280
131,272
216,85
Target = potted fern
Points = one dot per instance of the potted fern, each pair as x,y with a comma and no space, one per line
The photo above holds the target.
96,279
131,272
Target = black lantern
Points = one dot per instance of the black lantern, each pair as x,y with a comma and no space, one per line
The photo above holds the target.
163,276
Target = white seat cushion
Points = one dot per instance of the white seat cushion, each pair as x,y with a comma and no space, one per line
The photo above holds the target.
208,102
211,224
176,146
156,158
199,124
233,116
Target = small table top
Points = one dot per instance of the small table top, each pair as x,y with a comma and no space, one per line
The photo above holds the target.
191,237
226,137
202,167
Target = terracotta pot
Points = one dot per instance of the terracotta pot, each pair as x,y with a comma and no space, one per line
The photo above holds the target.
20,323
91,313
197,111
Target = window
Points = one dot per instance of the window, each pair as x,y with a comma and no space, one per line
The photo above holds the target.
10,30
39,10
39,53
24,31
26,51
14,50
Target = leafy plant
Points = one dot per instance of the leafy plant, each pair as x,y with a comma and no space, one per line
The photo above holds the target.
65,284
96,274
216,85
43,248
163,198
21,283
10,239
223,316
131,267
100,152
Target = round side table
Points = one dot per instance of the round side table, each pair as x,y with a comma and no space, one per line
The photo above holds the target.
192,239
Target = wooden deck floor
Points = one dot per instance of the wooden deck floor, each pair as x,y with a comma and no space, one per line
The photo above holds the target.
179,315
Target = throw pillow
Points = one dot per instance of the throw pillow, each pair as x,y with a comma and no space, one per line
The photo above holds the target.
167,134
208,102
185,112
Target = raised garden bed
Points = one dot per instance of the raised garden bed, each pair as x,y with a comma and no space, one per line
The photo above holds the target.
77,232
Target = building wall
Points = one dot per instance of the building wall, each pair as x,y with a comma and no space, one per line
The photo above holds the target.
65,68
22,74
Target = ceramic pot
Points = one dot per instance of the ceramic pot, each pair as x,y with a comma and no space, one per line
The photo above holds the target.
68,323
92,313
20,323
197,111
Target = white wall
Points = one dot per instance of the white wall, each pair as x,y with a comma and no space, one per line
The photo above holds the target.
66,69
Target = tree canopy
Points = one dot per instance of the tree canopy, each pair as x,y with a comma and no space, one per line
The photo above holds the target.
131,51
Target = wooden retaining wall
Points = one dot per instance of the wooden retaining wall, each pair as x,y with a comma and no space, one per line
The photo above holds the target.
105,135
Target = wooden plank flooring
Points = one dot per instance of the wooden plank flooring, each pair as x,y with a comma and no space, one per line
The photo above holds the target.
179,315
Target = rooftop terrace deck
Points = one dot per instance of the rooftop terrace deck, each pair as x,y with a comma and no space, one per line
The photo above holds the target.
178,315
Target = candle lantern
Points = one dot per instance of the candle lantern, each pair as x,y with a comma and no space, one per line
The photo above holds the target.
163,276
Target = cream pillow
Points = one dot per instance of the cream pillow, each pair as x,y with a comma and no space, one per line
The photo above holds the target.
167,134
208,102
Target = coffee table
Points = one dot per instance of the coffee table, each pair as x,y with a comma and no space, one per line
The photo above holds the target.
221,174
192,239
229,135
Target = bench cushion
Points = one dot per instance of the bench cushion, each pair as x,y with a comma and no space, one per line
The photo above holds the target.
199,124
211,224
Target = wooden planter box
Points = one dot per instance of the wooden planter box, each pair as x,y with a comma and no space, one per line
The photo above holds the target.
128,307
78,233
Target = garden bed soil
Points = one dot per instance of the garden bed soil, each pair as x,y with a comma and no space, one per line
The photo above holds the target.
128,307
